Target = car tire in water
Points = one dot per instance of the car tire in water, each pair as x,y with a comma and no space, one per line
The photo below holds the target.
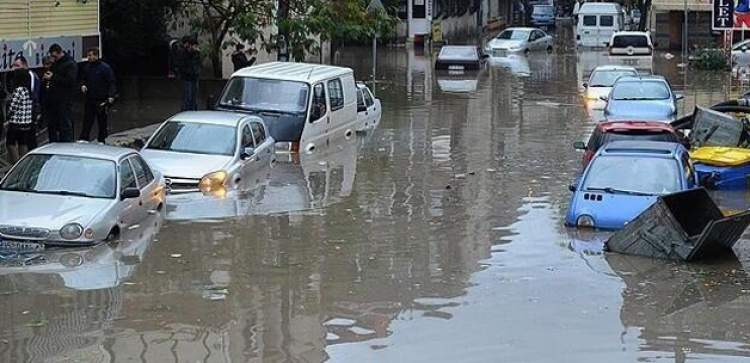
113,234
549,49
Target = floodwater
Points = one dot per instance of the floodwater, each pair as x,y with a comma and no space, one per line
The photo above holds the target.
439,237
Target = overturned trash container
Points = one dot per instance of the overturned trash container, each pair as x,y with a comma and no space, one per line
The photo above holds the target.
683,226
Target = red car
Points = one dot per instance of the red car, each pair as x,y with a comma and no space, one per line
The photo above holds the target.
628,130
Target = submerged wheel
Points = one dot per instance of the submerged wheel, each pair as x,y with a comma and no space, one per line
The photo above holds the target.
113,234
549,49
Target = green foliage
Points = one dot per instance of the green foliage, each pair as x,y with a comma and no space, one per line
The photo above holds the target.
710,59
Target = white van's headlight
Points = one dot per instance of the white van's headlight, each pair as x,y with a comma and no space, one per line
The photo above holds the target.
71,231
585,221
213,181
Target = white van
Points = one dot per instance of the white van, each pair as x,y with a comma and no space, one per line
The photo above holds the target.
597,22
305,105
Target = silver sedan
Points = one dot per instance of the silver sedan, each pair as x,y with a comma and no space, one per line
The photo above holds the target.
75,194
211,151
518,40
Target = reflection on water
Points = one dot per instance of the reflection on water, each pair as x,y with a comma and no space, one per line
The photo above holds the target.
437,237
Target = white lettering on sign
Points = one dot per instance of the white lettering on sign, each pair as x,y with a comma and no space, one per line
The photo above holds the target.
722,14
34,50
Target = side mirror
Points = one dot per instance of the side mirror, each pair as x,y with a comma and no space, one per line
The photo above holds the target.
572,187
744,48
361,108
130,193
585,85
604,98
247,153
579,145
485,55
678,96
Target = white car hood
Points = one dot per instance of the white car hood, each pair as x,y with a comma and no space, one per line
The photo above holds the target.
182,165
48,210
505,44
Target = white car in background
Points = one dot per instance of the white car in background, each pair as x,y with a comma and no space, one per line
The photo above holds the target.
630,43
518,41
741,54
602,79
369,109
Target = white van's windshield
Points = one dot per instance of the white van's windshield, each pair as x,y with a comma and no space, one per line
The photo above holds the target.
258,94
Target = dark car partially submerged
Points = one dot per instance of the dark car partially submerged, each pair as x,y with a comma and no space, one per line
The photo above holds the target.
459,58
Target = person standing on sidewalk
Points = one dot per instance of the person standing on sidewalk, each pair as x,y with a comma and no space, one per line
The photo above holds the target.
21,133
35,87
190,70
62,77
98,86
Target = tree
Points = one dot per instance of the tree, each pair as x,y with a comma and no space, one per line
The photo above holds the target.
143,36
219,18
645,7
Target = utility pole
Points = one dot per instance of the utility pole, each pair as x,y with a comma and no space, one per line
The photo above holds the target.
374,8
685,34
282,43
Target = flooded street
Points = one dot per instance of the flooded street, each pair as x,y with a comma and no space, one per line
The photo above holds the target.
438,237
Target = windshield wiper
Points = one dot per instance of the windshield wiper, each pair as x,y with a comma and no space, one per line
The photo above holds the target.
611,190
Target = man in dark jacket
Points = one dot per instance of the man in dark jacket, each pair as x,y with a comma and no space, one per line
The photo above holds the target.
190,70
62,77
98,85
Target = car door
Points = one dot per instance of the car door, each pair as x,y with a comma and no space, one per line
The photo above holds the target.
373,108
319,116
251,164
362,112
129,211
606,29
263,145
147,183
335,89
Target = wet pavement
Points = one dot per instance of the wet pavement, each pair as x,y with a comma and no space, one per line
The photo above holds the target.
437,238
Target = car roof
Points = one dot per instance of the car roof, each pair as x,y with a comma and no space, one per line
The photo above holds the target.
223,118
473,47
291,71
647,34
630,147
638,78
611,67
613,126
86,150
607,8
522,28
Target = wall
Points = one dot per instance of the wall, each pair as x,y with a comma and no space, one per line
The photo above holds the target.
48,17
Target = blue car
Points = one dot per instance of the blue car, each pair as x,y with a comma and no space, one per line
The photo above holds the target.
543,15
624,179
641,98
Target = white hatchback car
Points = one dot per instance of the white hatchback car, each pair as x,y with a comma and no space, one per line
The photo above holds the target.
369,109
210,151
75,194
629,43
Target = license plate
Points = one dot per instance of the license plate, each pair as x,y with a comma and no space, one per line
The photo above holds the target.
630,62
17,246
499,53
456,68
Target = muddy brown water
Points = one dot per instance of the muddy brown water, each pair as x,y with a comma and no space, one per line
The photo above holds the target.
437,238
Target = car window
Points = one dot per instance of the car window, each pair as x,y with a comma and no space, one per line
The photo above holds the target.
640,90
319,108
360,99
514,34
589,20
195,138
336,94
594,144
140,172
640,136
368,98
606,78
127,177
146,168
259,134
606,20
633,174
538,34
624,41
688,168
247,137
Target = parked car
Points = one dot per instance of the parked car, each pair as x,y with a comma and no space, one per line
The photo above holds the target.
641,98
543,15
603,78
519,40
741,54
459,58
631,43
597,22
368,109
624,179
76,194
210,151
304,105
606,132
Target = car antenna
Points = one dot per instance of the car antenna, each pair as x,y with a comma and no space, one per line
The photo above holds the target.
310,74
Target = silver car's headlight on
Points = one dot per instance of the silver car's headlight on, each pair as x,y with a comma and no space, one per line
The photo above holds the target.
213,181
71,231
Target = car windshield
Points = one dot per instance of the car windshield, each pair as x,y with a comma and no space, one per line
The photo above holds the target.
458,53
624,41
257,94
63,175
643,90
608,78
647,175
514,35
195,138
542,10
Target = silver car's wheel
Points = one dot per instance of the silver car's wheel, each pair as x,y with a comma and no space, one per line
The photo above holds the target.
113,234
